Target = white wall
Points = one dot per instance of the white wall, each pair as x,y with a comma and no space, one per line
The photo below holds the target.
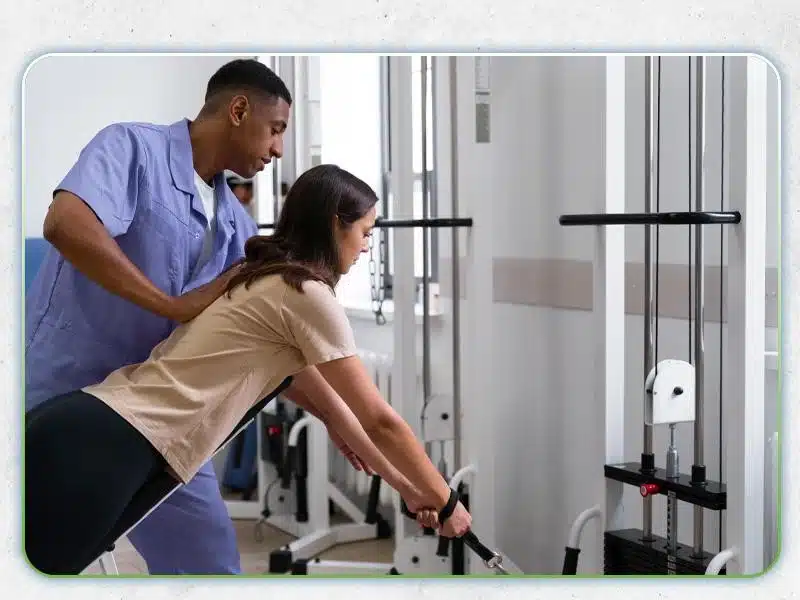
68,99
547,140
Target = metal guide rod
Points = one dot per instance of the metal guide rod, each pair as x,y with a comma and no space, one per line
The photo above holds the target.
673,472
446,222
456,251
651,137
699,279
426,333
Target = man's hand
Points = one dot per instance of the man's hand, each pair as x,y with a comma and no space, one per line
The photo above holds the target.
351,456
187,306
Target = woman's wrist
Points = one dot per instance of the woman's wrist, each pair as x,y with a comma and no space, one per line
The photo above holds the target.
442,496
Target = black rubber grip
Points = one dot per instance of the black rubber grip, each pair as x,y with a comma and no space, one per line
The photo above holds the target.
288,467
571,561
443,549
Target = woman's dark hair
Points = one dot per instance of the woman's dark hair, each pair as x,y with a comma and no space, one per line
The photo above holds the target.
303,245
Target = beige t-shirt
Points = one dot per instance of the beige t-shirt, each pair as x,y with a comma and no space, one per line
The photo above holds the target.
197,385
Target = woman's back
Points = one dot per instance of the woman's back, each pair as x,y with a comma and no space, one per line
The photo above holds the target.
198,383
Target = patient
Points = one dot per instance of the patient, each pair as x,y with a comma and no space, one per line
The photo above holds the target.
89,453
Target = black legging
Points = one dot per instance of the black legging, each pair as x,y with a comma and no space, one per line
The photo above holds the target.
83,465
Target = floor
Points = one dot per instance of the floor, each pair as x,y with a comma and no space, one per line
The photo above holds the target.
255,551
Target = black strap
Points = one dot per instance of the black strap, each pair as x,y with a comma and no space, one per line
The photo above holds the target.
446,512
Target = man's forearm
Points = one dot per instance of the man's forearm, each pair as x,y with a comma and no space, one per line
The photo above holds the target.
73,229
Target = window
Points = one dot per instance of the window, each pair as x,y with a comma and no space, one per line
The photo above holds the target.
354,131
351,127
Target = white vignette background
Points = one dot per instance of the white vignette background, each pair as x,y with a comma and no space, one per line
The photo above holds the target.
33,28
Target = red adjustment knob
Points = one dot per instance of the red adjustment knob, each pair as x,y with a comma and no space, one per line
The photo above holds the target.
648,489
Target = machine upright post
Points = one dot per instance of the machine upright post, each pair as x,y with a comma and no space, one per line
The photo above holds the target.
651,139
698,468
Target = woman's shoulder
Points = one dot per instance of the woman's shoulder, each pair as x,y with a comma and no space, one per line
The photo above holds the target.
312,292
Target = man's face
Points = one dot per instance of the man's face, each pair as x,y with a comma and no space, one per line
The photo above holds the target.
256,133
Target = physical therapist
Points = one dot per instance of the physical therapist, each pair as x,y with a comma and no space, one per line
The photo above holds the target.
145,234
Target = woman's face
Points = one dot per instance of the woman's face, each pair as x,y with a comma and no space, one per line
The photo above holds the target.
352,241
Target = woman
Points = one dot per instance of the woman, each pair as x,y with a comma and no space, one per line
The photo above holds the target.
89,453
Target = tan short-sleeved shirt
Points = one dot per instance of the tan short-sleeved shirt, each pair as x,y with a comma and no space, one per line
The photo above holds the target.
196,386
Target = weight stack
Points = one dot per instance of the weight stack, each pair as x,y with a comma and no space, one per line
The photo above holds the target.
625,553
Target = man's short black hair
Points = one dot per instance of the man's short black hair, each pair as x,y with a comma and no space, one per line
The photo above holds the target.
247,74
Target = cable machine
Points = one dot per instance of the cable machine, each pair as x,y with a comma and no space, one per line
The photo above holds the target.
674,390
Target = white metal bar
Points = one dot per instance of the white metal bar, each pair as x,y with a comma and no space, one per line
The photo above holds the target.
744,358
345,504
354,532
405,393
318,477
242,509
720,560
264,198
312,544
108,564
473,178
574,540
609,297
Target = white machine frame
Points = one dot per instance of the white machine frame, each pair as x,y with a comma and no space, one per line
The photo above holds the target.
457,166
744,363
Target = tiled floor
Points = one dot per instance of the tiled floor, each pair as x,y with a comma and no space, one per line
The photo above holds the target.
255,553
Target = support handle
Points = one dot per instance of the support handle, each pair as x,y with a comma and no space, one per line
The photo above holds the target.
653,218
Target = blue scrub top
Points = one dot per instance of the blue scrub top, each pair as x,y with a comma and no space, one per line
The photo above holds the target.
138,178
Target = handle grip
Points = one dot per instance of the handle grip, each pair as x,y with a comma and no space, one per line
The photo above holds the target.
471,540
288,467
443,549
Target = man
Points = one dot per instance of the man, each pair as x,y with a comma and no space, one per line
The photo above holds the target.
145,234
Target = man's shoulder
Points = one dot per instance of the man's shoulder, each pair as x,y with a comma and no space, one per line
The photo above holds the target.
137,132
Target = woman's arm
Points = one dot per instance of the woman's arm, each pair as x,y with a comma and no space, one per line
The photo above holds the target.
391,435
298,397
310,391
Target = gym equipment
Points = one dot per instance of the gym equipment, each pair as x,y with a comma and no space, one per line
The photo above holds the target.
674,390
240,473
491,558
423,554
573,548
164,485
367,526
